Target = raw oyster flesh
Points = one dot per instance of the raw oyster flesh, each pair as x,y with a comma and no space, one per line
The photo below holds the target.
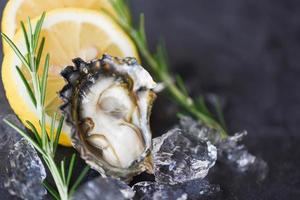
107,103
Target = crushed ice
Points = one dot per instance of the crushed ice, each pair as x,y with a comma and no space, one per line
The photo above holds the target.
230,150
106,188
195,189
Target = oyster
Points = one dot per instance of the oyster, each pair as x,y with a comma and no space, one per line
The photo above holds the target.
107,103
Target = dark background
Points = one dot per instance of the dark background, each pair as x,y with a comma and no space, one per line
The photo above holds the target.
248,52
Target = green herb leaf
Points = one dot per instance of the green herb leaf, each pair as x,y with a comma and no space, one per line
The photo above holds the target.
201,106
181,85
25,37
44,79
79,179
71,167
35,132
16,50
24,134
30,34
39,53
51,190
38,29
62,170
218,108
57,135
142,32
27,86
53,120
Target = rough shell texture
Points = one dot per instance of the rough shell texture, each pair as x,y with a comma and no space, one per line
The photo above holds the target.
80,78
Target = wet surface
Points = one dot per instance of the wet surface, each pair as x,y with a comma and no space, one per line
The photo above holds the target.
248,53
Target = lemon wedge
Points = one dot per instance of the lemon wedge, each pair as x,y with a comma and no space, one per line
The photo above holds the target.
69,33
19,10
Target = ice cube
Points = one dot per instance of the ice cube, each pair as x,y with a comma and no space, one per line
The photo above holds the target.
180,157
236,155
22,169
195,189
197,129
104,189
8,136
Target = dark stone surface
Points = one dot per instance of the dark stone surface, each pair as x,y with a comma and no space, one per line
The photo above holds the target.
248,52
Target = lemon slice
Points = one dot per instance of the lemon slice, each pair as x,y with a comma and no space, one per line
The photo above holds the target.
69,33
19,10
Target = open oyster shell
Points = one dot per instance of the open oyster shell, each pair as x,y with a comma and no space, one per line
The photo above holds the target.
107,103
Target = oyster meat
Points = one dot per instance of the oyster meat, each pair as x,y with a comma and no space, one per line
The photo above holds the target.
107,103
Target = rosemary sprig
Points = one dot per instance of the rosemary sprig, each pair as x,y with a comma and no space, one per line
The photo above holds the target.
46,142
158,64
